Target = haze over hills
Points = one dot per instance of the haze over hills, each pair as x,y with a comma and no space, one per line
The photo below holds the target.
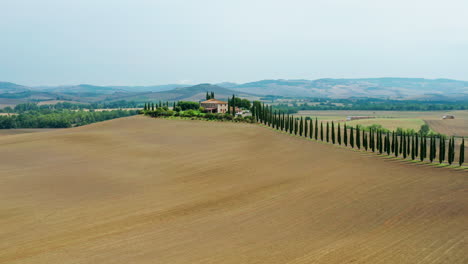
393,88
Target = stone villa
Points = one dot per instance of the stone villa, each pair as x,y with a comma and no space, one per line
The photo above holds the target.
215,106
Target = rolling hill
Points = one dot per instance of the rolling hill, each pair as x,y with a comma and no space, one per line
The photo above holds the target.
392,88
395,88
142,190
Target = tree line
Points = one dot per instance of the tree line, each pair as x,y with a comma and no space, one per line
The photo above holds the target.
414,146
64,118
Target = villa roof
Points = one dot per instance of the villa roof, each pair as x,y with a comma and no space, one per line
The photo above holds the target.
213,101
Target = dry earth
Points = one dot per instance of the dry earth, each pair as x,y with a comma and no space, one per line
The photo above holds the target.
450,127
141,190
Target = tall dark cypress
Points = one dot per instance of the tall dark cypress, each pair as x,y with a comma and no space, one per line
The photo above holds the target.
392,146
358,137
328,133
396,151
381,142
316,128
301,127
364,140
431,149
413,146
372,140
423,147
311,128
321,131
402,140
387,144
451,151
339,134
305,128
404,145
345,135
296,126
416,145
461,158
333,132
291,125
441,149
351,137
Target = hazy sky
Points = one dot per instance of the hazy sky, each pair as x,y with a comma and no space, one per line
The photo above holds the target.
142,42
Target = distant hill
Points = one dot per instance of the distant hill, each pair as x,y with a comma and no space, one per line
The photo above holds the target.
392,88
8,87
193,93
395,88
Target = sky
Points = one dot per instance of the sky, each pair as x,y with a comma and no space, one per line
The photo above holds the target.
149,42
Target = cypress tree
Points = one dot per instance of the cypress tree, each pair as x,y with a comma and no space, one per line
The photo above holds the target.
372,140
364,140
305,128
453,150
431,149
328,133
392,147
422,152
296,126
233,103
404,145
339,134
311,129
381,142
207,96
316,128
301,127
413,143
416,145
358,137
291,125
462,153
321,131
387,144
401,142
351,137
152,106
345,135
441,149
396,145
450,151
212,95
145,108
286,123
333,132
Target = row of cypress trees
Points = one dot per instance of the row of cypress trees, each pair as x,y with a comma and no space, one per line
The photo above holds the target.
153,106
398,144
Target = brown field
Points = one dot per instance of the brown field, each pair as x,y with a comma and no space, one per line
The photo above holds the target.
403,119
4,132
141,190
450,127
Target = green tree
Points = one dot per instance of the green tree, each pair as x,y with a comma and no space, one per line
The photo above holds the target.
351,137
328,132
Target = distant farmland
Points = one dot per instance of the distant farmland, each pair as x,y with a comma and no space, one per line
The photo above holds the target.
403,119
142,190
